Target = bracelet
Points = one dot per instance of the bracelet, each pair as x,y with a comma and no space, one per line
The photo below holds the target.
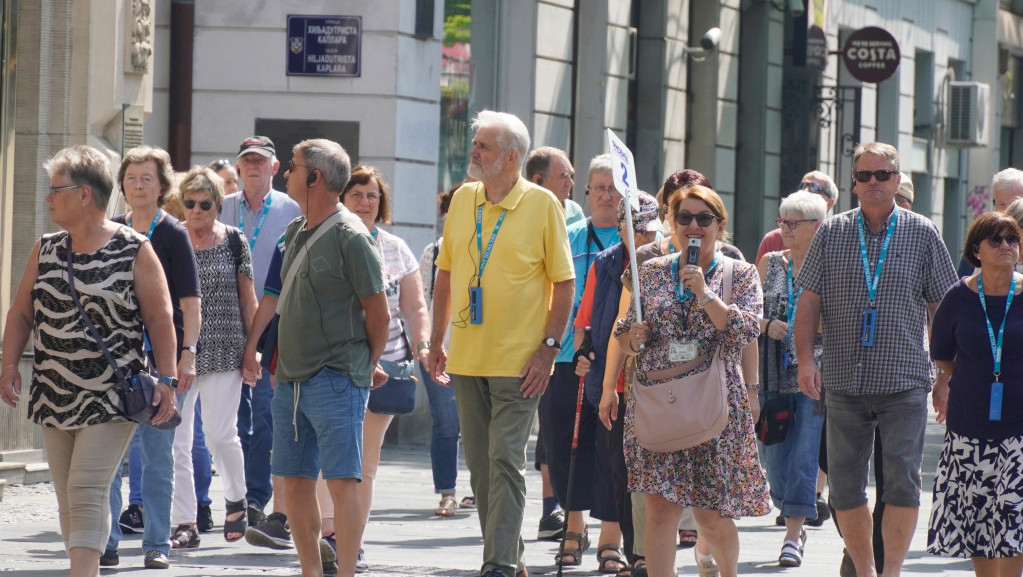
768,327
421,346
753,386
16,366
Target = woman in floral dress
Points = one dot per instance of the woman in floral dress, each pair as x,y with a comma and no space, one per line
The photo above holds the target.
684,318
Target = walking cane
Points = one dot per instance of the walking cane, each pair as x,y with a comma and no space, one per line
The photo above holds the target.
584,351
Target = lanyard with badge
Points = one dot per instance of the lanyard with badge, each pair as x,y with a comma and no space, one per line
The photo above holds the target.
870,313
995,408
476,292
259,223
684,351
790,313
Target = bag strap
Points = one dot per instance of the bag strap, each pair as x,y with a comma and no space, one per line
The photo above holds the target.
433,271
726,280
234,241
85,317
289,277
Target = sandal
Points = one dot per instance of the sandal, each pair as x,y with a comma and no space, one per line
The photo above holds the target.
613,562
185,537
468,502
639,568
574,556
238,525
705,564
447,506
686,538
792,552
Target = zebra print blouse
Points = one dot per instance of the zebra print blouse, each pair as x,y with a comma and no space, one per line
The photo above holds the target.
71,378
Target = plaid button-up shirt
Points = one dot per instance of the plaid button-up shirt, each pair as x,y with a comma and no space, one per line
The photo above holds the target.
917,271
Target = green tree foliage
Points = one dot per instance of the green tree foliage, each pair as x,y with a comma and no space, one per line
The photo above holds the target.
457,17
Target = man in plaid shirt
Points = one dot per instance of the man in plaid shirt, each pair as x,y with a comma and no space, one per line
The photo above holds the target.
872,278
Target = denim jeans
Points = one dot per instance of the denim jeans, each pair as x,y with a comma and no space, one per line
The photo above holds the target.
156,487
201,465
792,464
255,430
444,437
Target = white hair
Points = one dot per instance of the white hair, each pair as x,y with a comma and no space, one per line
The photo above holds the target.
809,204
1008,178
512,133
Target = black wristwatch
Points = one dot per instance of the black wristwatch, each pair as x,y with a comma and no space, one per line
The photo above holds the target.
551,342
169,381
192,349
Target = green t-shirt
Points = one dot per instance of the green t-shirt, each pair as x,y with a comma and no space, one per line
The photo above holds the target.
322,319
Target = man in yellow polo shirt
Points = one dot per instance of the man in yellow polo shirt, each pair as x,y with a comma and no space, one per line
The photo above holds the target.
505,283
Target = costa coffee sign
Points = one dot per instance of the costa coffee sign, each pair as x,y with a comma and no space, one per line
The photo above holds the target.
871,54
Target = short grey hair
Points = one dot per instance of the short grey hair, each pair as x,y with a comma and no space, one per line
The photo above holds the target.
807,203
512,133
330,159
203,179
1008,178
829,184
600,163
884,150
84,165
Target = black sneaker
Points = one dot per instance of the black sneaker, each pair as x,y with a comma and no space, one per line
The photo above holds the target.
255,515
552,527
204,519
328,554
156,560
131,520
273,533
109,559
823,514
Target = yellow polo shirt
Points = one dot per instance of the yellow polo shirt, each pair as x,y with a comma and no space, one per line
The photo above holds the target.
530,253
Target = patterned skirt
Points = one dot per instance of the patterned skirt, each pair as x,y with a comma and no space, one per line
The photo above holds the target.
978,499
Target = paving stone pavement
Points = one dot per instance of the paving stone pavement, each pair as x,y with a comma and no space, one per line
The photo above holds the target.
404,538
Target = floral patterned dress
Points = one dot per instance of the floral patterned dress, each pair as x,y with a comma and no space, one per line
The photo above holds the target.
723,474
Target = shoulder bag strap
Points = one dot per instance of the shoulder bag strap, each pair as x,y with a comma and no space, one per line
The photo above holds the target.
726,280
289,277
234,241
85,317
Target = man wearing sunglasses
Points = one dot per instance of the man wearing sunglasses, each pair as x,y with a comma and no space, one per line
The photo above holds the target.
874,275
814,181
262,213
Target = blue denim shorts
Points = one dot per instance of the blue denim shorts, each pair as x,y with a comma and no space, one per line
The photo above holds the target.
318,425
901,419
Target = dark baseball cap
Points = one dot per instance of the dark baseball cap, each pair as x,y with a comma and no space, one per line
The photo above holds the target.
259,144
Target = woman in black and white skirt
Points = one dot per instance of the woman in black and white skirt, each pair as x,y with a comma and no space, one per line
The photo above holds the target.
977,345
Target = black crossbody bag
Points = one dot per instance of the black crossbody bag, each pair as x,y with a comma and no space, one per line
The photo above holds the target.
136,393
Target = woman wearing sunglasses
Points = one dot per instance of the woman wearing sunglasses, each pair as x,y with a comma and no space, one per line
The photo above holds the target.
229,301
684,319
791,463
977,346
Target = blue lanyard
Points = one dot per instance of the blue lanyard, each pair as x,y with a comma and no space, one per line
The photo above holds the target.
872,281
259,223
684,295
152,225
485,256
996,346
373,233
791,312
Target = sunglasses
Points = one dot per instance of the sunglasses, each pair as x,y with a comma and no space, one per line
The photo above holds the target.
792,224
995,240
292,164
218,165
190,204
880,175
703,219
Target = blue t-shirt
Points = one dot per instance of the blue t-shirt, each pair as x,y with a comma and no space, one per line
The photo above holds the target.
585,245
959,334
279,214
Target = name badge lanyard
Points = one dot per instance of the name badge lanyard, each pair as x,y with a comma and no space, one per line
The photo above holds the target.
476,292
685,294
152,225
995,409
259,223
870,314
790,313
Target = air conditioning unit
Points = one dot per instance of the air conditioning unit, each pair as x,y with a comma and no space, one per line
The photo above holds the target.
966,125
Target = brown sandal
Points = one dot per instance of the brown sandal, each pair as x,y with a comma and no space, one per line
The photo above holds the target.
447,506
613,562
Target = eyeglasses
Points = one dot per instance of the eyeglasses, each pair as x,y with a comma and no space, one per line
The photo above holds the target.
792,224
995,240
599,190
880,175
703,219
218,165
292,165
190,204
361,196
56,189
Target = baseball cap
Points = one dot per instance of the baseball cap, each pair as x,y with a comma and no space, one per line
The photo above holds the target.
906,187
643,220
259,144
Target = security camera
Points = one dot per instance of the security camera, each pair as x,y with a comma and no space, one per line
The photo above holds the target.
710,40
796,7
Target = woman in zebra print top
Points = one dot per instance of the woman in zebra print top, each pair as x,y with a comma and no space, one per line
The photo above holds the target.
121,284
